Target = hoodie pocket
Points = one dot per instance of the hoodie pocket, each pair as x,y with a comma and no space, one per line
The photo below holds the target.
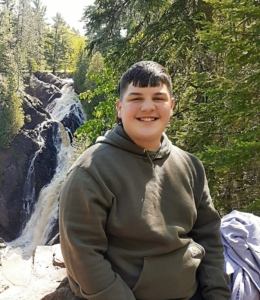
171,275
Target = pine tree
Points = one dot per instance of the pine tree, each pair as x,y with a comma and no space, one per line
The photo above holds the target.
59,45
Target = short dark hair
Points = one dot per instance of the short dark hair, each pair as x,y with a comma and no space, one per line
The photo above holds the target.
143,74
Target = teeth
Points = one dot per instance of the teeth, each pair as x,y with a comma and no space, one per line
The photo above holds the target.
147,119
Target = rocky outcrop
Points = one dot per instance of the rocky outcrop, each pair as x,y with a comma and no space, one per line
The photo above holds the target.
73,120
50,78
21,180
40,277
28,165
15,200
45,87
15,163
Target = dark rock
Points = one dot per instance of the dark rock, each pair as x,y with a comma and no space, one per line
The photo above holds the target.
44,166
34,112
15,164
50,78
55,240
2,243
45,92
73,120
30,162
63,292
15,208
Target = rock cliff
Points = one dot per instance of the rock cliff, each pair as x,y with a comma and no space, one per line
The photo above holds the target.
23,180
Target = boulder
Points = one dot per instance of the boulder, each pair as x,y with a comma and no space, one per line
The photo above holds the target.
63,292
40,277
73,120
45,92
50,78
34,112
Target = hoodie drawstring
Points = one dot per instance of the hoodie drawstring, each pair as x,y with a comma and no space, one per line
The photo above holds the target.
147,154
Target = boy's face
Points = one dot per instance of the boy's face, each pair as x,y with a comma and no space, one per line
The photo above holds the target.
145,112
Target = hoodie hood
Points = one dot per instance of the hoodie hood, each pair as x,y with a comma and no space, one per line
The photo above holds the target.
118,138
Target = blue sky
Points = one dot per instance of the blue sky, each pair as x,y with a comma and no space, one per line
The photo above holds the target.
71,11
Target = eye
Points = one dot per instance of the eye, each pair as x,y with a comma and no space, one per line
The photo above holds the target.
158,99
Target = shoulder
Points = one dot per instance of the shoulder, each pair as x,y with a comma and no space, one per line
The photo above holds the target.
92,153
189,165
97,158
190,159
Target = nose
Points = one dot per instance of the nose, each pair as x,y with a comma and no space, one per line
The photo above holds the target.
147,104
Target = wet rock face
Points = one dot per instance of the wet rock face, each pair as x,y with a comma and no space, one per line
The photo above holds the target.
50,78
15,210
15,161
46,92
73,120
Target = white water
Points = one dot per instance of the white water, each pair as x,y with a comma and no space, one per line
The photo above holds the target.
29,188
36,231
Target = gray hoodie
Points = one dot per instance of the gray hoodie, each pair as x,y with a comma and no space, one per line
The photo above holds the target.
140,225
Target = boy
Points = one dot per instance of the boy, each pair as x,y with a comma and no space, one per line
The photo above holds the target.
136,217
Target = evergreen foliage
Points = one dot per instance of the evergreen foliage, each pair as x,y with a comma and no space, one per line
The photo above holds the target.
211,50
80,73
104,113
94,71
62,46
11,113
23,45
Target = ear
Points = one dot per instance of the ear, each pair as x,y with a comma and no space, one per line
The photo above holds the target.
172,106
118,108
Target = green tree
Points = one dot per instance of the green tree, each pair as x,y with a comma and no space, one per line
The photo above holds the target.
104,24
211,51
11,113
39,28
94,71
233,154
59,45
7,40
82,64
104,113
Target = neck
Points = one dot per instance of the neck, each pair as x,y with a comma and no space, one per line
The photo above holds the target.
150,146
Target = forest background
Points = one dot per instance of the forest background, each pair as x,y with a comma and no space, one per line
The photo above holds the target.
210,48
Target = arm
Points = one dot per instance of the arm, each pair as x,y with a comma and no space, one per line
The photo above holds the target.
83,214
211,276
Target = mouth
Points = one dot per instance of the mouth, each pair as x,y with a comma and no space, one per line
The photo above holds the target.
147,119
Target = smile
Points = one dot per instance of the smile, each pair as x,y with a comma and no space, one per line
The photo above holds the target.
147,119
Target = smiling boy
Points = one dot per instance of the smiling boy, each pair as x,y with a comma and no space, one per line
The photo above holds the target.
136,217
145,112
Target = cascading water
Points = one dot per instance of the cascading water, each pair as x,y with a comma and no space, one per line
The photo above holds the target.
29,187
37,230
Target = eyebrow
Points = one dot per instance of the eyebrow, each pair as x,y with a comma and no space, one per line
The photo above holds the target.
140,94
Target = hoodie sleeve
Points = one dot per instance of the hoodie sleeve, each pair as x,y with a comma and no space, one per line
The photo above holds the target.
83,213
206,232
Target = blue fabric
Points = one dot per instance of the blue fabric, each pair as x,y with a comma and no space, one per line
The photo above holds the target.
241,239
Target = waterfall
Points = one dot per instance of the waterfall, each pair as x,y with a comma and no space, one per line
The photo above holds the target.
45,215
29,187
